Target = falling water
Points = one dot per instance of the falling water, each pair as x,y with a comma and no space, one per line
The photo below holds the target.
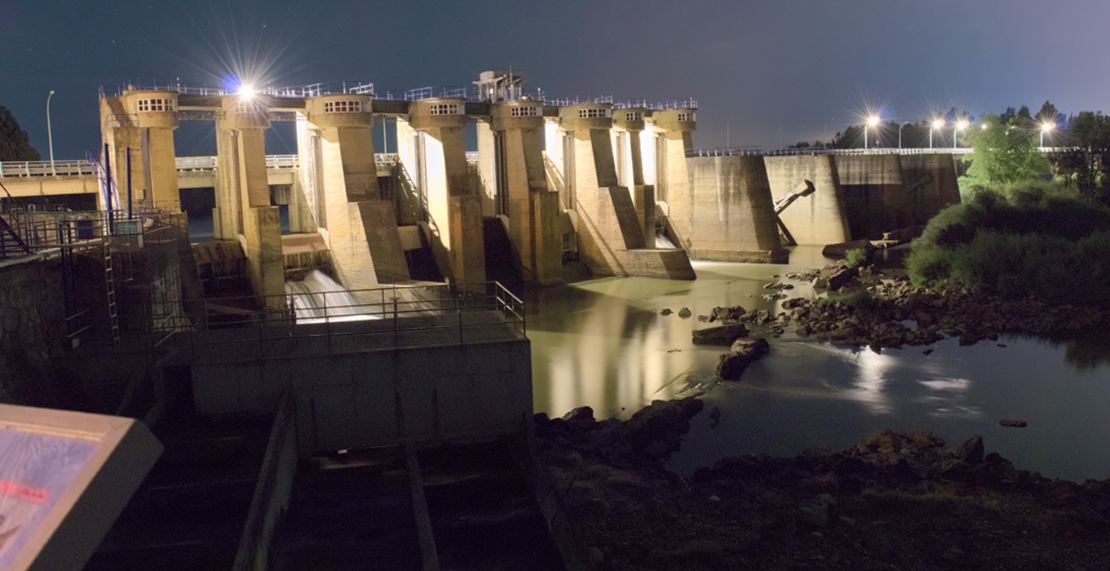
319,299
664,243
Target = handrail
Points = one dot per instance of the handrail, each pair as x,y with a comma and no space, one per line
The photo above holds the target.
386,318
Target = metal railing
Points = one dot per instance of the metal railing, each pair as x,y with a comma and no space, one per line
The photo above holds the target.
10,169
680,104
386,318
749,152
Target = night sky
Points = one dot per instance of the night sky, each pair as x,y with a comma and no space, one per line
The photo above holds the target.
773,73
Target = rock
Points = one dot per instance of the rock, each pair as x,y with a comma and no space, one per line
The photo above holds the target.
666,311
815,511
1013,423
721,335
970,451
904,234
927,352
840,251
714,417
742,353
885,441
802,331
842,278
684,312
596,556
714,499
579,414
727,314
969,338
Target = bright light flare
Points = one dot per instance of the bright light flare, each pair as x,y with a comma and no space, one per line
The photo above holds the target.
1048,127
938,123
246,91
872,121
985,126
962,124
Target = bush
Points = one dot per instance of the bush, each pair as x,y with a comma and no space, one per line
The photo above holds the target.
1030,240
857,257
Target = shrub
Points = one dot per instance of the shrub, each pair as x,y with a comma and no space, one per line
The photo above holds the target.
1035,239
856,257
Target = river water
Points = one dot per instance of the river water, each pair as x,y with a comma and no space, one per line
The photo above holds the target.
604,343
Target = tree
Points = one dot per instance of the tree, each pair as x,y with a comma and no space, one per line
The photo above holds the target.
1003,154
1048,113
851,137
15,145
1087,160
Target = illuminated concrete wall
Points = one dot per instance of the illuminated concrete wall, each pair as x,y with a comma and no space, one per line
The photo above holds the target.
610,233
674,136
454,207
246,192
818,218
359,227
142,121
733,215
533,209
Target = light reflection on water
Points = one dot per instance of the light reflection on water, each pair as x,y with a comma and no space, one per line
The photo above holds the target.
604,344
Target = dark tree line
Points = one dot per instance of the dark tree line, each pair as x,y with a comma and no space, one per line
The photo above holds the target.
15,145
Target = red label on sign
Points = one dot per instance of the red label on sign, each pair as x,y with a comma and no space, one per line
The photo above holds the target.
23,492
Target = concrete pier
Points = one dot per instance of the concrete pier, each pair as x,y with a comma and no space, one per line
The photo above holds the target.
817,218
532,209
732,218
431,144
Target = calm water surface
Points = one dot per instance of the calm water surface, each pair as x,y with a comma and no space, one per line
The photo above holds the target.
603,343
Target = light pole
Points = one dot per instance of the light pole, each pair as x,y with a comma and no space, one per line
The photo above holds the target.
49,133
1046,127
871,122
937,124
960,126
900,133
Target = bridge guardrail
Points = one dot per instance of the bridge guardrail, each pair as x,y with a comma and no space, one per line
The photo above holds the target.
44,168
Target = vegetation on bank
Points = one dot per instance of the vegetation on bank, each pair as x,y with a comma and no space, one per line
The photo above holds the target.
1031,239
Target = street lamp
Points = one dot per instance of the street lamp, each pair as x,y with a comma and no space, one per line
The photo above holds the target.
936,125
49,133
900,133
960,126
871,122
1046,127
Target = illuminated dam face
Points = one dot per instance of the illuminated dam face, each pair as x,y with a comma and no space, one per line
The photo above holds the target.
573,180
550,181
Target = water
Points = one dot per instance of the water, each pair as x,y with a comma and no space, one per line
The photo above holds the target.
603,343
320,299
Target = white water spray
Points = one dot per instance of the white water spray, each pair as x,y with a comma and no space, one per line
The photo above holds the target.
320,299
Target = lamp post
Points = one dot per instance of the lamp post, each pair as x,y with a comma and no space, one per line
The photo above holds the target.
900,133
49,133
1046,127
871,122
960,126
937,124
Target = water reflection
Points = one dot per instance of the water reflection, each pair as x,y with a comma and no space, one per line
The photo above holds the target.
603,343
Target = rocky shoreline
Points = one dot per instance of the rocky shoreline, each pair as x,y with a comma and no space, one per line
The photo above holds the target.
897,501
879,311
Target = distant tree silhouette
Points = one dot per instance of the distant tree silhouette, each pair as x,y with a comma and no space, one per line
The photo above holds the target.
15,145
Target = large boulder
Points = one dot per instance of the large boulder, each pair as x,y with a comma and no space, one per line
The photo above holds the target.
902,235
840,251
742,353
721,335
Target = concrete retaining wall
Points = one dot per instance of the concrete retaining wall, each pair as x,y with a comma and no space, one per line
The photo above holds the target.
350,401
733,215
816,219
